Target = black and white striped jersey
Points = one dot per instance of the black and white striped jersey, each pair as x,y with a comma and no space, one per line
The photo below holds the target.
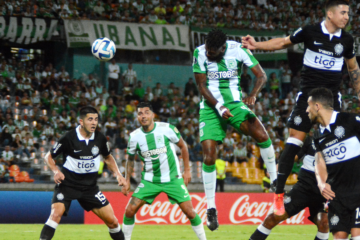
81,157
324,55
340,146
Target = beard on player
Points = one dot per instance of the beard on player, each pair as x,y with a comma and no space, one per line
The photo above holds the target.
90,123
215,55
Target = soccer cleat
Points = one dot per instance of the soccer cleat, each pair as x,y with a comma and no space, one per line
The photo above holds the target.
212,221
279,208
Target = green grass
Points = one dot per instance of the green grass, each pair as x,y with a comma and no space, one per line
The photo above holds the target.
153,232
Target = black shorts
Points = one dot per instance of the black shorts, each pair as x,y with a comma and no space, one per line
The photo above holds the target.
89,199
302,196
299,119
344,214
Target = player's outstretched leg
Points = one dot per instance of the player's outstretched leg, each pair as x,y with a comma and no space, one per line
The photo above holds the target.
129,216
194,218
48,231
209,180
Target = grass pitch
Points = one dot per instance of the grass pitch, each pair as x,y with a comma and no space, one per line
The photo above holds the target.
153,232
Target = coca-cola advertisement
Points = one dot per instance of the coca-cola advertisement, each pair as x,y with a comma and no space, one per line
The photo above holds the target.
233,208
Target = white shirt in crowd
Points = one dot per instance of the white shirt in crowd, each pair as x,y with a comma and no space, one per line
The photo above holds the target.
130,76
114,71
7,156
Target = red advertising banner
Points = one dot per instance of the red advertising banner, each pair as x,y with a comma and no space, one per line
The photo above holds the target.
233,208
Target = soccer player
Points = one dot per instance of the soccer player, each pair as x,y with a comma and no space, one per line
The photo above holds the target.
81,149
154,143
326,46
217,67
305,193
337,163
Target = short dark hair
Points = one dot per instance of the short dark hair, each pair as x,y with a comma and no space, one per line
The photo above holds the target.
332,3
88,109
323,96
144,104
215,39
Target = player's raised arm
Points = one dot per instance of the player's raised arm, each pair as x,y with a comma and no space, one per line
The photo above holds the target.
58,175
270,45
261,79
321,177
185,156
354,72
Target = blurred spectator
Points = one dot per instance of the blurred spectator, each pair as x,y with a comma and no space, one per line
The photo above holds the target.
190,86
286,80
157,90
240,154
129,76
220,174
7,156
5,137
139,91
274,83
114,71
245,81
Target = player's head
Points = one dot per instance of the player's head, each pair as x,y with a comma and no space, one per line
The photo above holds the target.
319,99
89,118
145,114
215,45
337,12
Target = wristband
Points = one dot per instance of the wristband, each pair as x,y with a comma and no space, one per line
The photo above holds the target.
218,106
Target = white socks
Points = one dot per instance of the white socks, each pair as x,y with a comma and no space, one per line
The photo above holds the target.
322,236
264,230
199,230
268,155
209,180
115,230
127,230
51,223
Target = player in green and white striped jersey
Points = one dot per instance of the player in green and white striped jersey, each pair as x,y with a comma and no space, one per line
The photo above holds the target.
217,67
154,144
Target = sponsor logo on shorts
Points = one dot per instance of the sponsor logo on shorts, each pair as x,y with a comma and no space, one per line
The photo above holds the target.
141,185
201,132
201,125
60,196
334,220
137,190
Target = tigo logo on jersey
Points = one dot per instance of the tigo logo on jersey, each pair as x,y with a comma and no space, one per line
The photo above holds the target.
327,63
87,165
223,74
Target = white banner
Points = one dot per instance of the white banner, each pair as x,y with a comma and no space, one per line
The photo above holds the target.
131,36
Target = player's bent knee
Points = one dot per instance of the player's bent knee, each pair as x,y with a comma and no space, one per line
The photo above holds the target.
190,213
323,225
112,223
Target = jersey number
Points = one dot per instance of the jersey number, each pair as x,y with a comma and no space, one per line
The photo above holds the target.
101,197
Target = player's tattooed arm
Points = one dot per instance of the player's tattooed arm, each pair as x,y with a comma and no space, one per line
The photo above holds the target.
354,73
129,167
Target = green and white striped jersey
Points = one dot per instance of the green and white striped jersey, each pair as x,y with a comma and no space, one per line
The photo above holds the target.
223,78
156,149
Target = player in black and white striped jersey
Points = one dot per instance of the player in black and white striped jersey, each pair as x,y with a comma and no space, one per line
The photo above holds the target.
326,46
77,180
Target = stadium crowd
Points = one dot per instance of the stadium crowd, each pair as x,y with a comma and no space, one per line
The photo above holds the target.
236,14
40,103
